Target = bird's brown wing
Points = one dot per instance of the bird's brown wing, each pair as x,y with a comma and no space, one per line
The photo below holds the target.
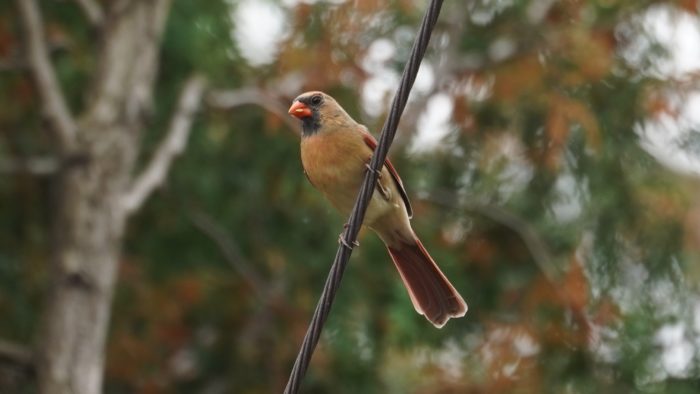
372,143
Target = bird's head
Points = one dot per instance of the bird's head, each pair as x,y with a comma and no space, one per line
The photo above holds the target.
315,109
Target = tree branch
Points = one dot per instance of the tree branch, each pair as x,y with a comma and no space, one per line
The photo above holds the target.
18,356
153,175
269,294
12,64
33,165
230,250
227,99
540,252
535,244
93,11
50,91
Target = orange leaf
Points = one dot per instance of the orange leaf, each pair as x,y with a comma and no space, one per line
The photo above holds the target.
518,78
688,5
574,287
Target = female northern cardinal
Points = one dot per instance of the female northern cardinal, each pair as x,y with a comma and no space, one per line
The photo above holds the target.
335,151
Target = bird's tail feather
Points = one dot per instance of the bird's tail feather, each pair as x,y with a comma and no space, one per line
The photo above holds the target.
430,291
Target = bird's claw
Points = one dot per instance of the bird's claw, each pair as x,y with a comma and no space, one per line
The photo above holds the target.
370,169
344,242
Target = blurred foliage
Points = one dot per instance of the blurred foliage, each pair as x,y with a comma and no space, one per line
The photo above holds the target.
576,249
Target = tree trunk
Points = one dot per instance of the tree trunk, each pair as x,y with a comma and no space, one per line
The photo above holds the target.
97,190
88,231
90,213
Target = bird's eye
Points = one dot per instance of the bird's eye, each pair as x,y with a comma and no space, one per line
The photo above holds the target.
316,100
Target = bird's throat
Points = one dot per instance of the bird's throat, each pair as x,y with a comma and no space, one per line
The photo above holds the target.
310,125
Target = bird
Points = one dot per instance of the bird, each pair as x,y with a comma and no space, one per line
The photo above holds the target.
335,152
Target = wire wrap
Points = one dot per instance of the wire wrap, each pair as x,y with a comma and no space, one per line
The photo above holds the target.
357,215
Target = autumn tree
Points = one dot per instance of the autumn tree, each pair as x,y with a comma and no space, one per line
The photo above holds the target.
548,150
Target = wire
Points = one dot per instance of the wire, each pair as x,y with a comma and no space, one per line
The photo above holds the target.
342,256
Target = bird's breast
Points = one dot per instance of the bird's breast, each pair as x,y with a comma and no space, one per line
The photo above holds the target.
335,165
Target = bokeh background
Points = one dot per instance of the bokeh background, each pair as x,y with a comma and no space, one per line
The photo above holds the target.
550,149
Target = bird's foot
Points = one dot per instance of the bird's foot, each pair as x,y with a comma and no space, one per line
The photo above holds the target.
344,242
369,168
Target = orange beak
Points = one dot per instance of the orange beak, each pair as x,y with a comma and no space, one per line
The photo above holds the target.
299,110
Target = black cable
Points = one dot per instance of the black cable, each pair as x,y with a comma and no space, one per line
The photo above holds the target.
342,256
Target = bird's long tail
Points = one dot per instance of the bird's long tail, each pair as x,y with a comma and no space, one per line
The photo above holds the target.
430,291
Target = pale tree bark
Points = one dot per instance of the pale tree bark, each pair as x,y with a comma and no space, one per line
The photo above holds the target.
96,196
